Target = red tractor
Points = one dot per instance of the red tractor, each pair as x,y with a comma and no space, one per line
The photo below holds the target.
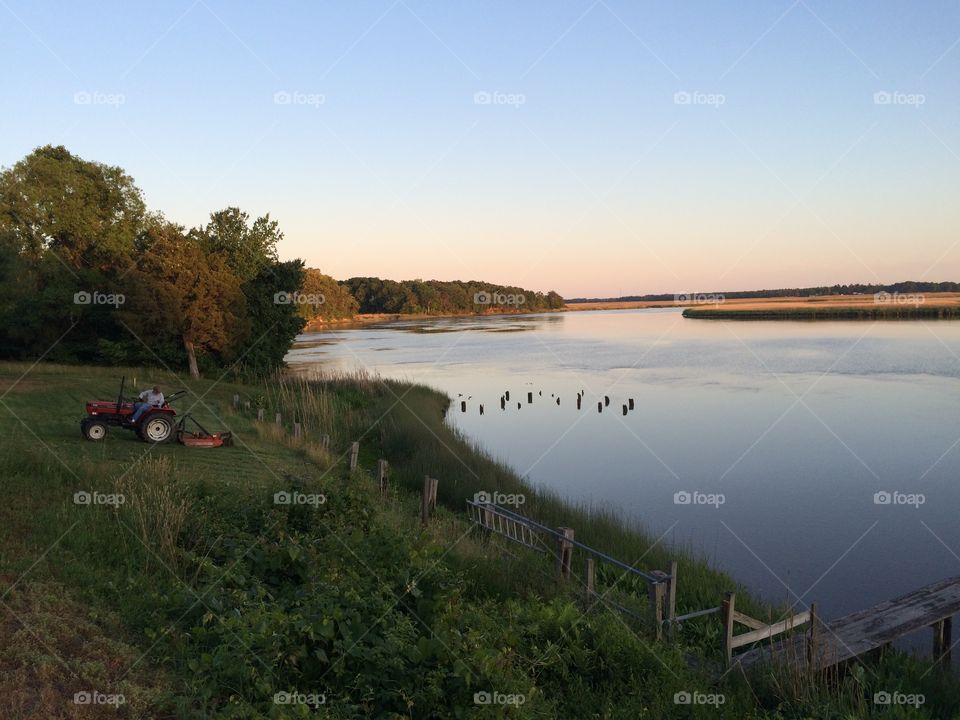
156,425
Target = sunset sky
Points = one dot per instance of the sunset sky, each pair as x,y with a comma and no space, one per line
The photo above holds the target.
591,147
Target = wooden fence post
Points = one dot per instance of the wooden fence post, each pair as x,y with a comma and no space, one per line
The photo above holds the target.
354,455
434,483
726,615
672,599
326,442
297,430
591,577
260,414
278,419
425,501
382,476
812,638
658,591
942,633
564,551
236,401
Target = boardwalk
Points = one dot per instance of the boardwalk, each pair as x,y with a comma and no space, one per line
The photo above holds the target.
863,631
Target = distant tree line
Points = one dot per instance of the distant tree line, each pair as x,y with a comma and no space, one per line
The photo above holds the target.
375,295
908,286
89,274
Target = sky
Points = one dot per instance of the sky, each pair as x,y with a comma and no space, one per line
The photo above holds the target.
592,147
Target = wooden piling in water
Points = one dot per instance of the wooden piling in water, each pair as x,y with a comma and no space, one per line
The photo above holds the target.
630,403
507,395
564,551
599,406
529,397
606,400
578,402
463,406
354,455
624,409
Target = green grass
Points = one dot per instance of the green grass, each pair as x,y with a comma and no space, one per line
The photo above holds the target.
200,597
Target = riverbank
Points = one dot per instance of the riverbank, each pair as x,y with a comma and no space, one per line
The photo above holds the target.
882,306
221,598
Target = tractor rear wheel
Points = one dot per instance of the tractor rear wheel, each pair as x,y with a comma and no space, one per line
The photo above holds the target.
93,430
156,428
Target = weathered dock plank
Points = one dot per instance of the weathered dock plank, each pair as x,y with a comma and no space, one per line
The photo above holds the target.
860,632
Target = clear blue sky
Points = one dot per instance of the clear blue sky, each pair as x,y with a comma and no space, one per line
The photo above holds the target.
586,172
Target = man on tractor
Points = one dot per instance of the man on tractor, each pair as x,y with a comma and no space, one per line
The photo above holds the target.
152,398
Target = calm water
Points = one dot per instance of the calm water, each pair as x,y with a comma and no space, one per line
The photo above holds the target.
797,425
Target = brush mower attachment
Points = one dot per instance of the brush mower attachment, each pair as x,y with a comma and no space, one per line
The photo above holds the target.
200,437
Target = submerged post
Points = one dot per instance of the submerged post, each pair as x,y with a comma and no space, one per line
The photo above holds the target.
726,615
354,454
564,551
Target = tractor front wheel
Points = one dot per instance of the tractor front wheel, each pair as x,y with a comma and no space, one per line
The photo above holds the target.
156,429
93,430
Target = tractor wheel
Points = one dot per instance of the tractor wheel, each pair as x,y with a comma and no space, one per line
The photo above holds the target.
93,430
156,429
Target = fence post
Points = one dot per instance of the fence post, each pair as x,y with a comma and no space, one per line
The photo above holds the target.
672,599
382,475
354,454
326,442
942,632
425,501
297,430
564,551
591,577
433,494
812,638
726,614
236,401
260,414
658,590
278,419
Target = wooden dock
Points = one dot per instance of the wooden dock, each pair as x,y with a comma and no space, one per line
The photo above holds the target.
826,644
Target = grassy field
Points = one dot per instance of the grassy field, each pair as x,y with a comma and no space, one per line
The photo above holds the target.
200,596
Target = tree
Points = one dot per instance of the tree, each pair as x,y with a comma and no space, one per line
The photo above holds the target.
247,248
271,320
184,291
336,300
